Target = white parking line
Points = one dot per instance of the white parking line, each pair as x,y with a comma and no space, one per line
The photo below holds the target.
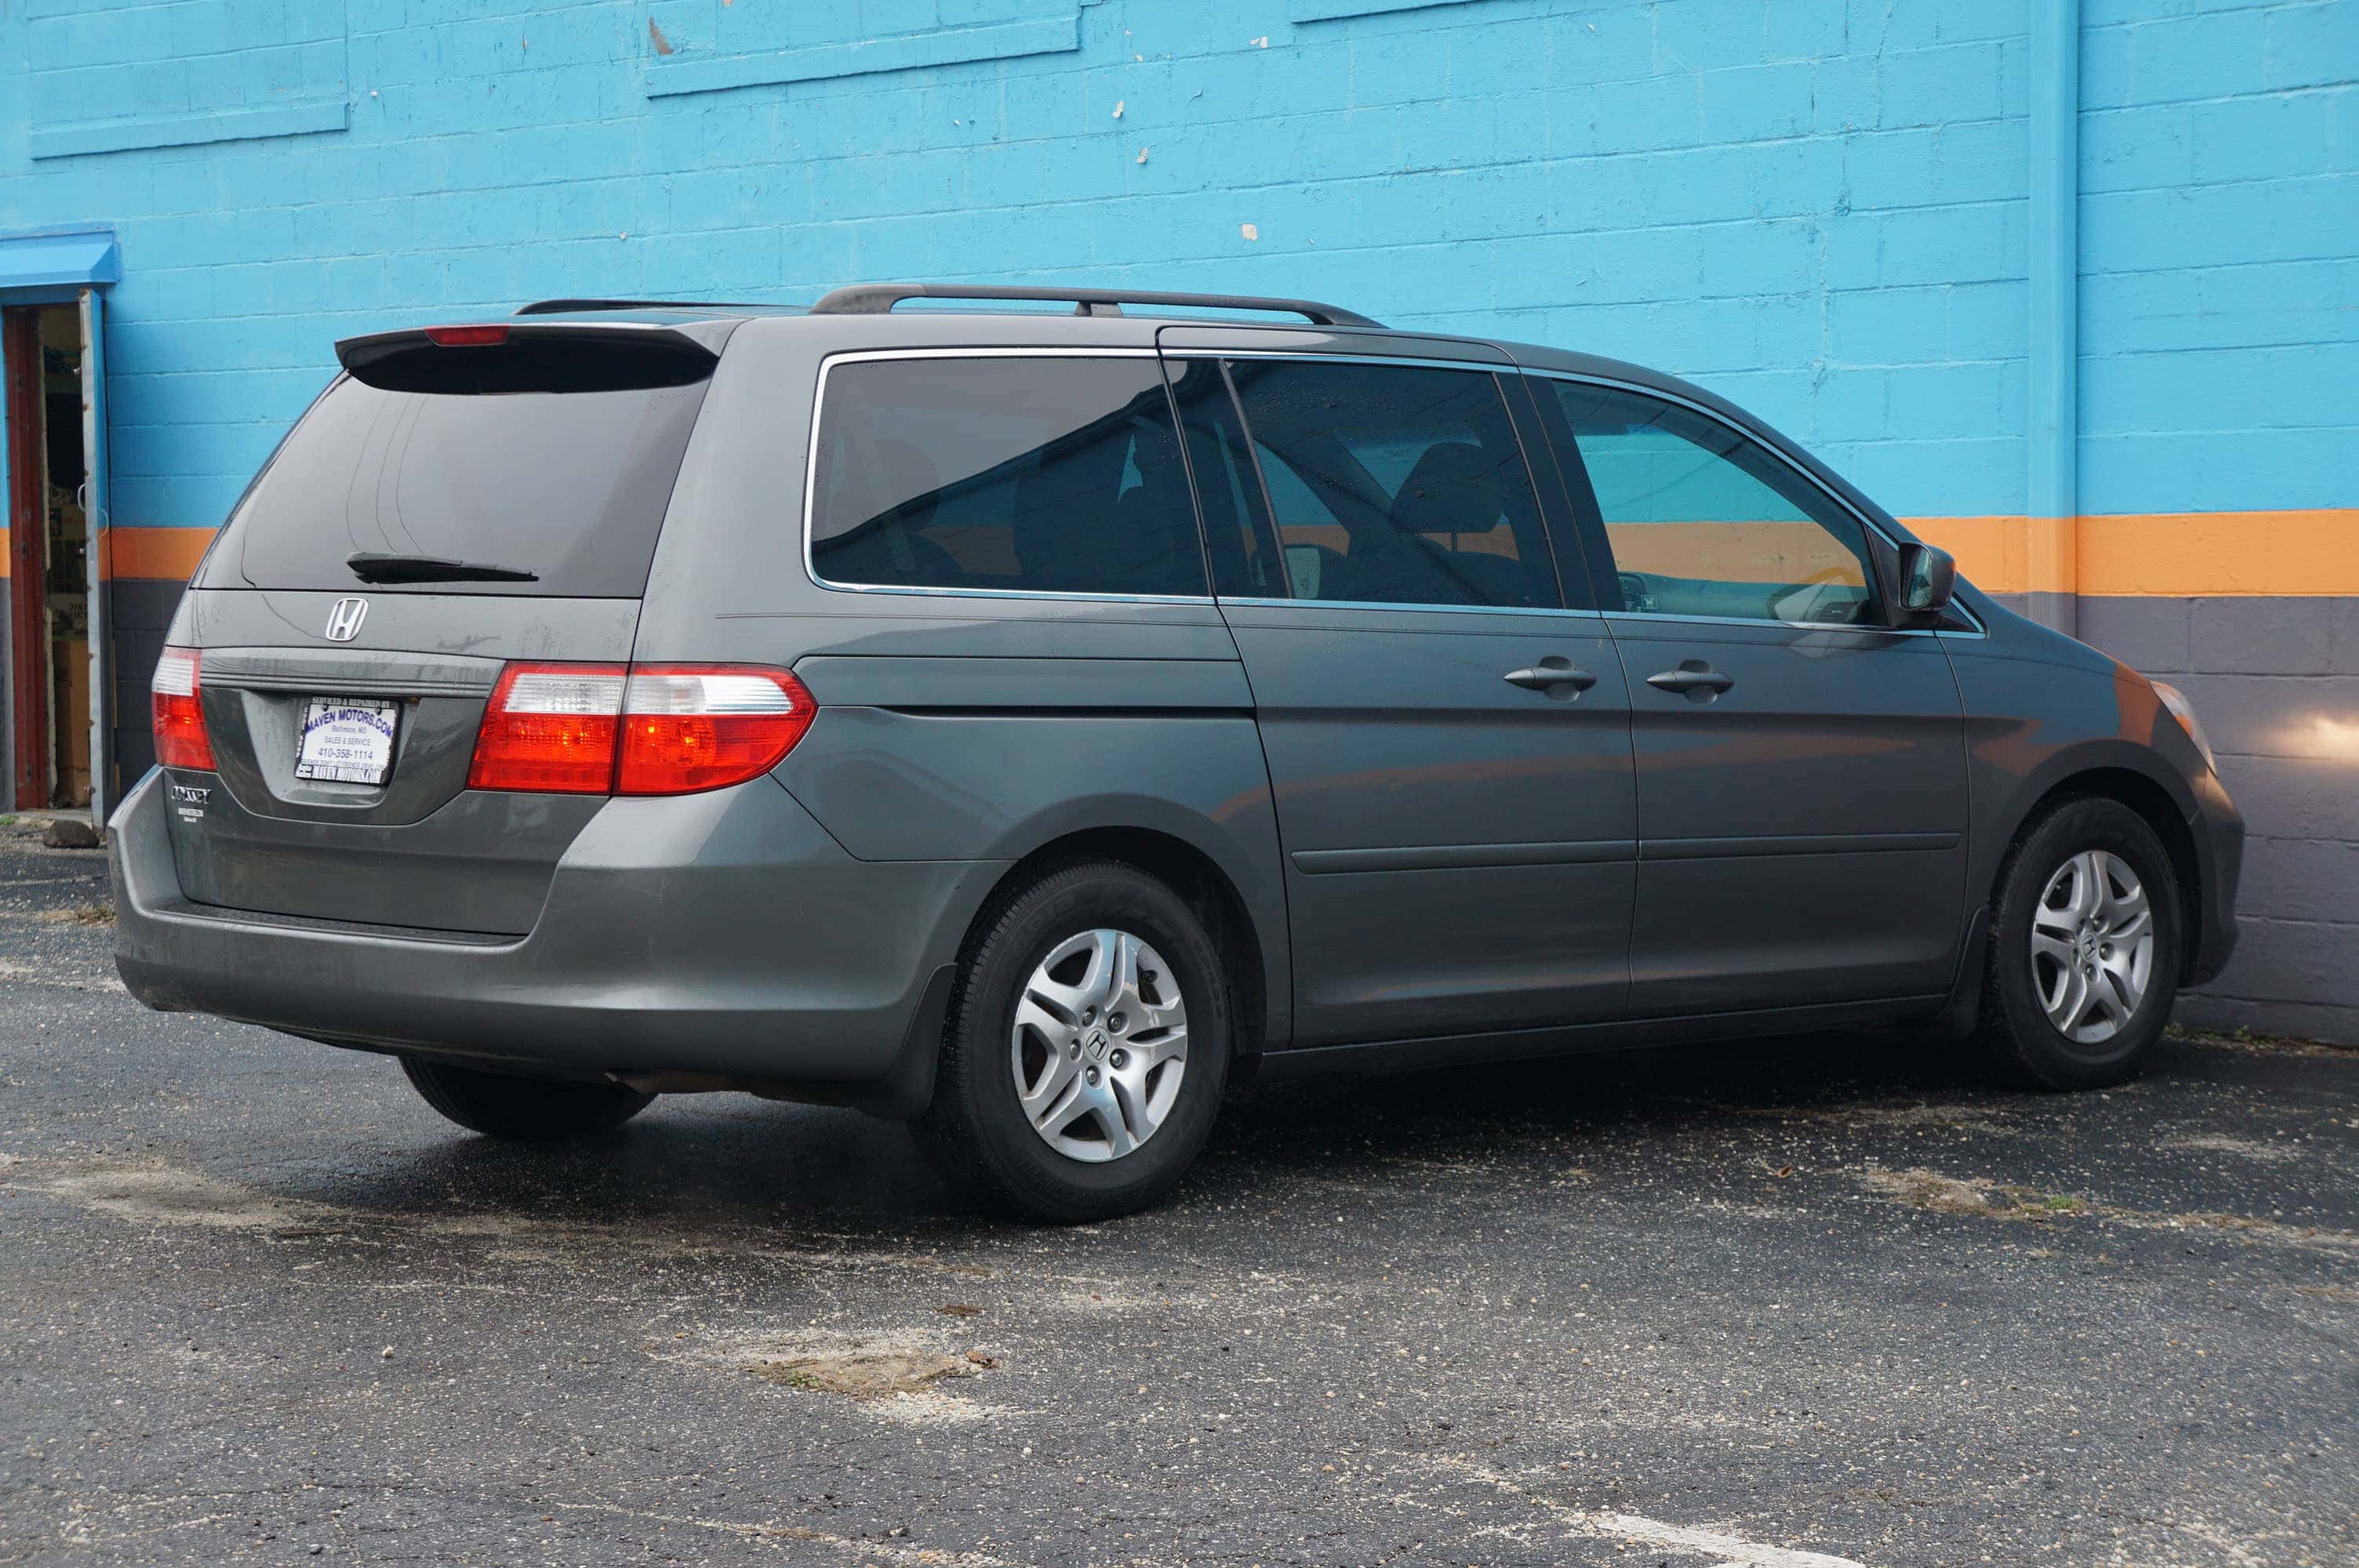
1731,1551
1635,1529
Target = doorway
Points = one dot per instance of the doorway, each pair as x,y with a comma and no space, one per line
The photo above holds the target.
48,533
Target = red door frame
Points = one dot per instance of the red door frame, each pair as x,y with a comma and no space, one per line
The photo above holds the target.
28,528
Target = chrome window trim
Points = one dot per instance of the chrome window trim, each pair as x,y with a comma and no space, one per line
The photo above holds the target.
859,356
810,481
1416,606
1794,625
1805,475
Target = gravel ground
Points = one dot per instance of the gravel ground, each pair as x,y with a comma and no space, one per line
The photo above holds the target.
1806,1303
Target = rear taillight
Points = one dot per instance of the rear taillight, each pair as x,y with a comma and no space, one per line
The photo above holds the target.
690,726
179,713
637,730
549,729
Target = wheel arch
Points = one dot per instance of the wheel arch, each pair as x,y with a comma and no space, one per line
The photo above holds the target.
1199,879
2155,803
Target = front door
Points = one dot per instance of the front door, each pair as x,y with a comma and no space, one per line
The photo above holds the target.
55,499
1800,766
27,488
1445,722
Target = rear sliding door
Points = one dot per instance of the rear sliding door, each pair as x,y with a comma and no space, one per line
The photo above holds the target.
1444,717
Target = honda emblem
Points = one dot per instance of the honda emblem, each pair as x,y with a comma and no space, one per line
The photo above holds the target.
344,619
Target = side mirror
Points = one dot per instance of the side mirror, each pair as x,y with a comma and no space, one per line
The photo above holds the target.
1928,577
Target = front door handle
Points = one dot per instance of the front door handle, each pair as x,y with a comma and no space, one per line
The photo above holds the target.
1692,679
1552,675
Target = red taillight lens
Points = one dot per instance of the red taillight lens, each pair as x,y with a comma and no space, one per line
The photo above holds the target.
637,730
549,729
179,712
466,336
695,727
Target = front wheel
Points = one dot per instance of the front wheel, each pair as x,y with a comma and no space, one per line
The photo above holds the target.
2084,949
1086,1049
500,1105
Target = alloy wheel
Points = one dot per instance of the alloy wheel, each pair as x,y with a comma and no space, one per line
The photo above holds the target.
2091,946
1100,1044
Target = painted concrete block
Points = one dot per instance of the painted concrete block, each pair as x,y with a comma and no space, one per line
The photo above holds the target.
2262,636
2155,636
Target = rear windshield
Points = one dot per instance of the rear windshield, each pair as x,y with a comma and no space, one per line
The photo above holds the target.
569,486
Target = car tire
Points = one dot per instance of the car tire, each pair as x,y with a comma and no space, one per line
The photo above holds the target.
1044,975
2070,897
502,1105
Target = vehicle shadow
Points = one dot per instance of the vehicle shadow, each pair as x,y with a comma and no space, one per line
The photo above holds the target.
727,1164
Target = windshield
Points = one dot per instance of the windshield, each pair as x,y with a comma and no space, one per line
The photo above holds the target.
569,487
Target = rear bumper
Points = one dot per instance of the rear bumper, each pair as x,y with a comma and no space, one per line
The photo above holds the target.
722,934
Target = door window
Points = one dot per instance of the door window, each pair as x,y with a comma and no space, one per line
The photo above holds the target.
1056,474
1703,522
1387,484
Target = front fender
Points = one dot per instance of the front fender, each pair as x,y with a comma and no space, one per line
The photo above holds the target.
2036,723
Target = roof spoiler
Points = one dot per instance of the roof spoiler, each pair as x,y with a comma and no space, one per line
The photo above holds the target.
502,357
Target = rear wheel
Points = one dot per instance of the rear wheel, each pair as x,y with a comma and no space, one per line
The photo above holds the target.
2084,949
1086,1049
500,1105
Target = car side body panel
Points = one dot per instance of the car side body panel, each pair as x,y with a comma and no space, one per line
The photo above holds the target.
797,932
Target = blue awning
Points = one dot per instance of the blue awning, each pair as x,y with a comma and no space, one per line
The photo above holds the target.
59,261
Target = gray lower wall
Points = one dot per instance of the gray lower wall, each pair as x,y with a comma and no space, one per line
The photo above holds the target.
2276,682
142,609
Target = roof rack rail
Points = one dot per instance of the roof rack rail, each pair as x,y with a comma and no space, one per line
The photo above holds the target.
569,307
879,299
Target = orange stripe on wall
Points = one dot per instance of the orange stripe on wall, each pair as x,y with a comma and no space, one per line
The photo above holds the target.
170,554
2176,555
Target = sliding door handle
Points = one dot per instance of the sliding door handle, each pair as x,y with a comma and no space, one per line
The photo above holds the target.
1691,678
1550,675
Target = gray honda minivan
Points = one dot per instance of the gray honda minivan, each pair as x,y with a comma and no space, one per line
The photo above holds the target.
1036,722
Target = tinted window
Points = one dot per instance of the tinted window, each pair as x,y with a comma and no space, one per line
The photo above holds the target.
1392,485
1058,475
1703,522
569,486
1237,526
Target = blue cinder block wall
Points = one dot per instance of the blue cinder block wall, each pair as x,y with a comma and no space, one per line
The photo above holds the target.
1823,209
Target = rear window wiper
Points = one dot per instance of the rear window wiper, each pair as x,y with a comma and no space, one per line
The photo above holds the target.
370,565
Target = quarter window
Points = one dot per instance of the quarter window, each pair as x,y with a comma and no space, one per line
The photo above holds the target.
1390,484
1046,474
1703,522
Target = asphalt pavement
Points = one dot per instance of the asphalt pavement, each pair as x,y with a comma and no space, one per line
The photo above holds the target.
1795,1304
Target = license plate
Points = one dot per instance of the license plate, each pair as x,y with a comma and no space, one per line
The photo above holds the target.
346,739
